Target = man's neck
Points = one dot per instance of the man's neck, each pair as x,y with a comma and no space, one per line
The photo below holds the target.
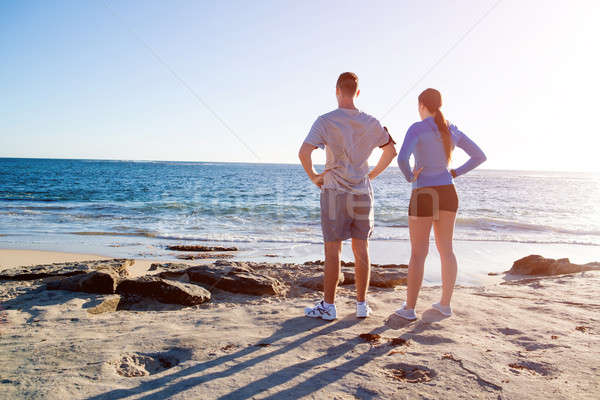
349,104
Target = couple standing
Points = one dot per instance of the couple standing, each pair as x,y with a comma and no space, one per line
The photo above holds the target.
349,136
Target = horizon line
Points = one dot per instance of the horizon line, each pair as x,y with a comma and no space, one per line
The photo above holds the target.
264,163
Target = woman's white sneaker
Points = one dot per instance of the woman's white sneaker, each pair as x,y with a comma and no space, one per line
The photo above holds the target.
406,313
363,310
320,310
444,310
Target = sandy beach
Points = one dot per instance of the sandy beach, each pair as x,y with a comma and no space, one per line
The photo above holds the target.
534,338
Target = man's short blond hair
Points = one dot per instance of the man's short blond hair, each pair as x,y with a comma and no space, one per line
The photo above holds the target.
348,84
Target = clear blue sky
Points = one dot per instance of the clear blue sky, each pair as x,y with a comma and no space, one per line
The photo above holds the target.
76,83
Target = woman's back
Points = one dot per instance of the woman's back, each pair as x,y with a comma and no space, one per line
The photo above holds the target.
423,139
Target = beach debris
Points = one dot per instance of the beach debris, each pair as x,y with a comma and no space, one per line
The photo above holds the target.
200,248
411,373
538,265
100,282
582,328
110,304
391,353
65,269
140,364
399,342
540,368
164,290
316,282
370,337
199,256
228,347
553,337
449,356
235,277
262,344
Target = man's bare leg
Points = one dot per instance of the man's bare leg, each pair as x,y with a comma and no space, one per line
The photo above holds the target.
333,251
362,267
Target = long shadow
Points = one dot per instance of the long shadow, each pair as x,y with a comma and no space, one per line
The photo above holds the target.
315,382
289,328
326,377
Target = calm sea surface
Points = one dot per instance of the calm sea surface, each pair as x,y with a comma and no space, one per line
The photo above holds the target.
270,204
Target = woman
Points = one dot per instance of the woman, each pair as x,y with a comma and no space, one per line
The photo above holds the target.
433,200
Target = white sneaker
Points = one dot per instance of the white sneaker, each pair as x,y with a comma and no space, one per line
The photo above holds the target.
406,313
320,310
363,310
444,310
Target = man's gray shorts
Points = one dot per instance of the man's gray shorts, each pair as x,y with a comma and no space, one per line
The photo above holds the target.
346,215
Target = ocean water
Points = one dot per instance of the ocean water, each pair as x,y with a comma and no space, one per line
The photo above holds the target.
134,206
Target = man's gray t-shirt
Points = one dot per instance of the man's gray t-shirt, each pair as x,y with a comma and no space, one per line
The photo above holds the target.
349,136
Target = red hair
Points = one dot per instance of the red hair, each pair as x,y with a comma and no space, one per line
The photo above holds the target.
432,100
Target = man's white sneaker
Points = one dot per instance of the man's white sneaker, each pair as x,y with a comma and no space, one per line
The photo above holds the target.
406,313
444,310
322,311
363,310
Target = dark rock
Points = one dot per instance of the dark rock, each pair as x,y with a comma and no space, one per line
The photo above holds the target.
202,256
388,279
316,282
538,265
101,282
66,269
165,291
200,248
236,278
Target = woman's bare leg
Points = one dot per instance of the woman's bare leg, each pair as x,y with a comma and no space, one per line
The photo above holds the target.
443,229
420,229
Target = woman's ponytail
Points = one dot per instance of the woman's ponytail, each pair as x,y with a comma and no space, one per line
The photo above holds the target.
432,99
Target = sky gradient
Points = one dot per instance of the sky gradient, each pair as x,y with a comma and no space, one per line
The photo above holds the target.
78,81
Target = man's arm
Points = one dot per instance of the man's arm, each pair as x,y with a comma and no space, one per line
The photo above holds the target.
389,153
305,156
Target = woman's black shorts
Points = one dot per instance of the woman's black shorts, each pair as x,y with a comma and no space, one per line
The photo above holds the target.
426,201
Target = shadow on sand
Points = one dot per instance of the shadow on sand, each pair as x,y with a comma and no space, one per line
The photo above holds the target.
161,387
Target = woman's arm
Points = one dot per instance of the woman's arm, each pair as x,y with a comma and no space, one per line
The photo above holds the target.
408,146
476,154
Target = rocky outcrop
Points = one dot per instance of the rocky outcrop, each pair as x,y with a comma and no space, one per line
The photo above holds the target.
200,248
235,277
538,265
385,279
316,282
201,256
382,279
164,290
351,264
389,265
118,265
101,282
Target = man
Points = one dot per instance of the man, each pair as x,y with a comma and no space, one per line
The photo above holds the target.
349,136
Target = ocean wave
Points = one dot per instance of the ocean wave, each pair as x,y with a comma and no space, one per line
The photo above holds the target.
494,224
